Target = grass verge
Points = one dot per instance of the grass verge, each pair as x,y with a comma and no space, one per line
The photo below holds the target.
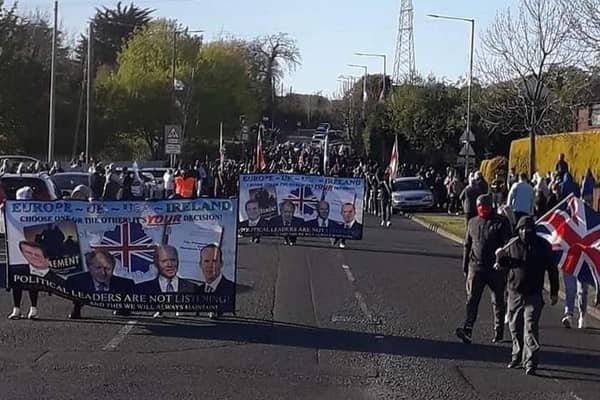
449,223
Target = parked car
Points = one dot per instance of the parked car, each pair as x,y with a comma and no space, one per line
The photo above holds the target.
67,181
41,184
411,193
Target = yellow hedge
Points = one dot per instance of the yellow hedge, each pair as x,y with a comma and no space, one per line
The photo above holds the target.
497,165
581,149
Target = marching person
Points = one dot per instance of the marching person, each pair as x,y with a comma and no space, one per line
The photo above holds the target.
486,232
527,259
575,291
521,197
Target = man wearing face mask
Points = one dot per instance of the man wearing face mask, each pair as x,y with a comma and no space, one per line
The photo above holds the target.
486,232
527,259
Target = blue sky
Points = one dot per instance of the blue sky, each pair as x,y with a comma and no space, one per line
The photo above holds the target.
328,32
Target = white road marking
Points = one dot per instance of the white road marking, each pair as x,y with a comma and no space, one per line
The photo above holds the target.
349,275
359,297
120,336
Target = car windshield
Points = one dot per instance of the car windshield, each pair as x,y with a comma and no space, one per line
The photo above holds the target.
70,181
406,185
12,184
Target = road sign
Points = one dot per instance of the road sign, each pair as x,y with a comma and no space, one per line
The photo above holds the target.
467,150
467,136
172,139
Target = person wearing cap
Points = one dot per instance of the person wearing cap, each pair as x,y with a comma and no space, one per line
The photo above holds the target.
486,232
527,258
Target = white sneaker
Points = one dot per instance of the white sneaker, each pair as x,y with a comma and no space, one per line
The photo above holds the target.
388,224
382,223
506,319
15,314
342,245
581,323
33,313
158,314
567,321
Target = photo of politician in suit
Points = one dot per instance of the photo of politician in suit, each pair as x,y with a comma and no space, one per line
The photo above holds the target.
253,213
322,220
99,277
286,217
349,220
211,264
166,261
38,265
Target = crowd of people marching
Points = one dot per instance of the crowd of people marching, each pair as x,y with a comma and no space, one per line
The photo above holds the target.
494,212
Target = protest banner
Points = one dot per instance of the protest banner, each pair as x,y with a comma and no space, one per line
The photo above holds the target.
175,255
301,205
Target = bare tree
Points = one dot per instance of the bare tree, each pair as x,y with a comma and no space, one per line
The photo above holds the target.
585,24
519,51
273,56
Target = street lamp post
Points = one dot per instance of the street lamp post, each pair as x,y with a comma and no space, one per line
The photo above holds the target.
174,81
364,104
384,84
470,87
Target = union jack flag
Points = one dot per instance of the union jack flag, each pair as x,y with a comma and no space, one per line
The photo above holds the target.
573,230
305,200
129,244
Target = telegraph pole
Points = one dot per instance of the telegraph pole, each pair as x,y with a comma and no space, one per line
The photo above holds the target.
90,74
52,122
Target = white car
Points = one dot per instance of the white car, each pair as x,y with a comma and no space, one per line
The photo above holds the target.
411,193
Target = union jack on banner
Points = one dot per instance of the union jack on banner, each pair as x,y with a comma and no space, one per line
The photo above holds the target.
129,244
305,200
573,230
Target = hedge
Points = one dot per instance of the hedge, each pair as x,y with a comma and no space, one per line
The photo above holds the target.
581,149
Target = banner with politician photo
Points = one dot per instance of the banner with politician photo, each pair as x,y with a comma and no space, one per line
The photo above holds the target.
174,255
301,205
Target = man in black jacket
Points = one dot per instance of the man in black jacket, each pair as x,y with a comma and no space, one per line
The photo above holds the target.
486,232
527,259
469,196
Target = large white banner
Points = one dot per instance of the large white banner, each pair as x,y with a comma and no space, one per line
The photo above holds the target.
301,205
170,255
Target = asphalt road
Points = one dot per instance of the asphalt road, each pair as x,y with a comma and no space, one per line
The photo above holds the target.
373,321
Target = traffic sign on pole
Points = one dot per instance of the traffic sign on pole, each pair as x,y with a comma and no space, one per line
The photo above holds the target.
467,150
172,139
467,136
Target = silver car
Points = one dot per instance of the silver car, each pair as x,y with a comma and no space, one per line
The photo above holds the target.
411,193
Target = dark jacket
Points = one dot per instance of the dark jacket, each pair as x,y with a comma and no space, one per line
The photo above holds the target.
482,238
468,197
331,224
84,283
225,288
527,264
277,222
153,287
261,223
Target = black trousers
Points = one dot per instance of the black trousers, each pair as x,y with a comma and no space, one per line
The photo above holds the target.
17,294
476,283
524,314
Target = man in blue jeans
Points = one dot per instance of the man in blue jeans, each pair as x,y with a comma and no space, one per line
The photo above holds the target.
575,289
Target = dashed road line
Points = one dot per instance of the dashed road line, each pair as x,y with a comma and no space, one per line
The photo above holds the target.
120,336
349,274
359,297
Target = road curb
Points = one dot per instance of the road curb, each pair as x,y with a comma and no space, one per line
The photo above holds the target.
594,312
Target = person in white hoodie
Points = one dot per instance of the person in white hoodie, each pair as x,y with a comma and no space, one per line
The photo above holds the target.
24,193
169,183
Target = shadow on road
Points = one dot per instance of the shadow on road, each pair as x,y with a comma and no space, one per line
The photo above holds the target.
354,246
284,334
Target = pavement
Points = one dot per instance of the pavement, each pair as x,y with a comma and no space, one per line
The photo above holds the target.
373,321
